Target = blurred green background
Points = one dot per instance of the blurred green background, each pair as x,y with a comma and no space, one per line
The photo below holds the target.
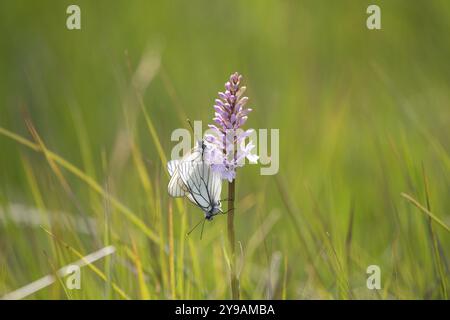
364,115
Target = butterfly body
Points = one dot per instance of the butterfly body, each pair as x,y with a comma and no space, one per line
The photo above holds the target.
215,210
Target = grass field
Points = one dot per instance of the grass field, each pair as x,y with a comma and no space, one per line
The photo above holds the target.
364,117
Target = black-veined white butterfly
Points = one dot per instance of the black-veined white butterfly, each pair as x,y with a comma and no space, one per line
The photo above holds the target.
193,177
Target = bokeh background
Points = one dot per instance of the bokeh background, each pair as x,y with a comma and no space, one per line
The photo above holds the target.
363,116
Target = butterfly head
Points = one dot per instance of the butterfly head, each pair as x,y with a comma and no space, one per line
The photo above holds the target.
215,209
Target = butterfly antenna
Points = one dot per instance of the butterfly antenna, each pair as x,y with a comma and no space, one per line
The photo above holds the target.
196,225
192,129
203,226
190,124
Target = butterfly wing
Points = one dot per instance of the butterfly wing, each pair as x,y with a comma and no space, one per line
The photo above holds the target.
203,185
215,186
176,187
172,166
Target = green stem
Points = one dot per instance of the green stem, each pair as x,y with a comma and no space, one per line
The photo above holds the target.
232,242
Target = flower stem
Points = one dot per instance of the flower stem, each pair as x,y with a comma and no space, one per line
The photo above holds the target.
232,243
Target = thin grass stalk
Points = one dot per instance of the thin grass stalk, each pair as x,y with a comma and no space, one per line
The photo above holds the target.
434,241
425,210
143,289
171,252
180,256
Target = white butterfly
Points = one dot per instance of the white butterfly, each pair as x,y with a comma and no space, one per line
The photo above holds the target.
193,177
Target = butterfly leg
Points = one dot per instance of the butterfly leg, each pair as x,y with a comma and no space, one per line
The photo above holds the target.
228,210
